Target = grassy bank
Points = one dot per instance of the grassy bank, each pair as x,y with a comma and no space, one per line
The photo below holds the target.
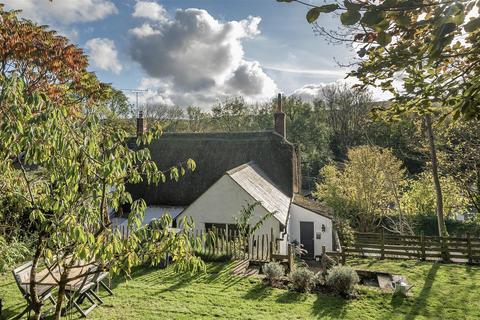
441,292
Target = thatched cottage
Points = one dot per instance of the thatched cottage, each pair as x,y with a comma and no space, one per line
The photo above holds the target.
234,170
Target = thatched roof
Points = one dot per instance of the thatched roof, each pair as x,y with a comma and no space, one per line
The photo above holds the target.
215,154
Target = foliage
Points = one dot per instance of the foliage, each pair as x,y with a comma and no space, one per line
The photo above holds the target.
431,45
12,253
347,114
326,262
342,279
46,61
117,104
168,117
345,231
459,157
402,137
14,218
273,271
298,250
244,223
231,115
196,118
365,188
307,127
74,167
428,226
419,197
303,280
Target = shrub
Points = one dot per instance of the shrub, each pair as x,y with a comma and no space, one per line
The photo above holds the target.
273,271
11,253
342,279
303,280
326,262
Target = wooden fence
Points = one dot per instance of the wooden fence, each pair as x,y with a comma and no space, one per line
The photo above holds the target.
232,245
383,245
254,247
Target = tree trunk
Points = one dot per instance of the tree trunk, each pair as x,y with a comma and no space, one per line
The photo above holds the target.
442,229
36,302
60,297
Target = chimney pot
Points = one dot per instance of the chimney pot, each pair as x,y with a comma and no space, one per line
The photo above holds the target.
280,121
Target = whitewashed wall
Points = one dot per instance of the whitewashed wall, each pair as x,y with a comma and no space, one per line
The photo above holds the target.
222,202
297,214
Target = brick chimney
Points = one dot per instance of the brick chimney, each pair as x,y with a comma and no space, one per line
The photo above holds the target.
141,124
280,124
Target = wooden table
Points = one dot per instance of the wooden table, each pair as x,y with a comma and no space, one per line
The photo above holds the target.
51,277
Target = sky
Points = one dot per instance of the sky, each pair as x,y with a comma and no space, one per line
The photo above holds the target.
197,52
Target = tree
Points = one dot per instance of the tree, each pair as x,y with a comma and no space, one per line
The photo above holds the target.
442,228
231,115
347,113
196,119
118,104
419,197
243,221
430,46
74,168
308,129
459,145
365,189
46,61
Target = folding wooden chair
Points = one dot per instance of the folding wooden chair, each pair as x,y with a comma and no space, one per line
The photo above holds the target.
77,291
99,279
22,276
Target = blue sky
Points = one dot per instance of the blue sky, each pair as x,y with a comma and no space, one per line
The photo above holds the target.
185,56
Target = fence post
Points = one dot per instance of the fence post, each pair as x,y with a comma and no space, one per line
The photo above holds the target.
469,248
422,243
271,244
258,246
445,256
324,250
382,242
253,248
263,244
290,257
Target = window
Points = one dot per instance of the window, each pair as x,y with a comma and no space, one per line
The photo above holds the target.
229,229
215,227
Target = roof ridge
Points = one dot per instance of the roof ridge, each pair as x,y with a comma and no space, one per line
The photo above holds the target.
242,166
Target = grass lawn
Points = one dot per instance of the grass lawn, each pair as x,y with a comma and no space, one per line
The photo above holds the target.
441,292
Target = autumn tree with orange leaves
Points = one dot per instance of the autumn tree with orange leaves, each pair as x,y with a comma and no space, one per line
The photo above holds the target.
46,61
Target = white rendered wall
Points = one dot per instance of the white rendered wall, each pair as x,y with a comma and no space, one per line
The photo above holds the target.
298,214
222,202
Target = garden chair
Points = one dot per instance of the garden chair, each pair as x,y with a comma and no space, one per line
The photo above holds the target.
77,291
22,276
99,279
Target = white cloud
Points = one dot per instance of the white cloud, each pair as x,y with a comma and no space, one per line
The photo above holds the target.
310,92
103,54
320,72
200,58
249,79
150,10
63,12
